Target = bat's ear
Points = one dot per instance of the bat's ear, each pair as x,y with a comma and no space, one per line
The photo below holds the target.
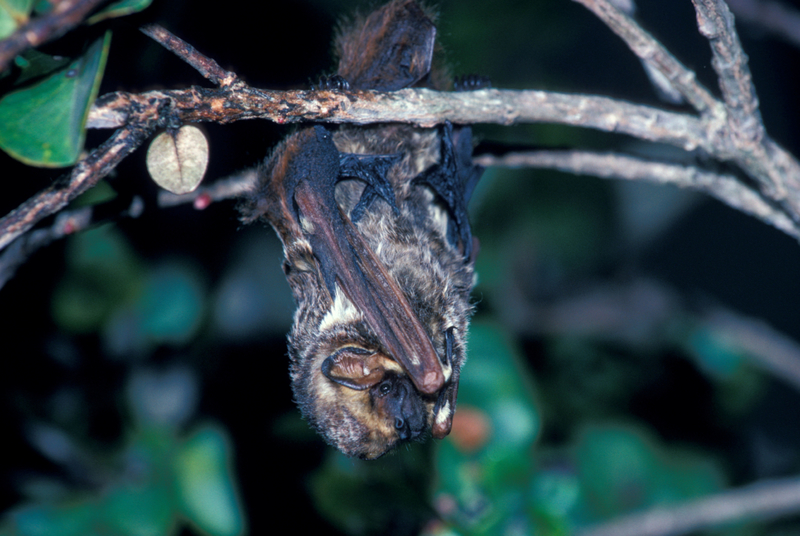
355,367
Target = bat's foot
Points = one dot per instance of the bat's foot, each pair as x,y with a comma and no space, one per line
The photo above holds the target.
471,82
331,83
373,170
453,179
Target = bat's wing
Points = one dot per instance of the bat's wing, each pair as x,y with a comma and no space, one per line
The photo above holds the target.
393,50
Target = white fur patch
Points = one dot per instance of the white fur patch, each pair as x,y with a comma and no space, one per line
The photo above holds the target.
444,414
342,312
307,226
447,370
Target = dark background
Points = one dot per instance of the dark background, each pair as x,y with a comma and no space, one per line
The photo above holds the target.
545,232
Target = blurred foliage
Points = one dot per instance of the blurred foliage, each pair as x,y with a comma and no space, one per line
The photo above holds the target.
13,14
118,9
159,480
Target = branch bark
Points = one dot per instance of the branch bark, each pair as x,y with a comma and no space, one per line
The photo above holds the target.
422,107
764,500
723,186
734,127
730,132
84,175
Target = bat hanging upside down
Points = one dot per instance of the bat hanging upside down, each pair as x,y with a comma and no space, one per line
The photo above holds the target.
379,253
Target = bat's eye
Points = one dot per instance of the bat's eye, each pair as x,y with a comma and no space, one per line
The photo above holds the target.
384,388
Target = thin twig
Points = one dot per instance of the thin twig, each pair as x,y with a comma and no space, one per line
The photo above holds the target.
84,175
66,223
65,15
763,500
647,48
219,190
209,68
727,188
643,312
734,130
767,348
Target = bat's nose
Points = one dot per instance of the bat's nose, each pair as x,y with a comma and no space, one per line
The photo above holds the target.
407,430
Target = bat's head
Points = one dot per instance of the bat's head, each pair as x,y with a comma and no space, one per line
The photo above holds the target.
363,402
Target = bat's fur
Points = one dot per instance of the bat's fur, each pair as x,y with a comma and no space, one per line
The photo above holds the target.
409,241
431,272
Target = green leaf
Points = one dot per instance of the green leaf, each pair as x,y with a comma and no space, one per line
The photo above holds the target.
172,303
205,482
13,14
36,65
102,274
617,467
43,124
484,466
139,510
42,7
118,9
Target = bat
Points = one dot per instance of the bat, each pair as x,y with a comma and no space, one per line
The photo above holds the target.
378,250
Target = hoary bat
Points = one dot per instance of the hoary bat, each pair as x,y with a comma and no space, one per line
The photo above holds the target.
379,253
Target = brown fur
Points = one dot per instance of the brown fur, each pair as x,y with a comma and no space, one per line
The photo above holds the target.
433,275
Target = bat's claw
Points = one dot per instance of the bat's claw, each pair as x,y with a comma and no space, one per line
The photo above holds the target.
332,83
471,82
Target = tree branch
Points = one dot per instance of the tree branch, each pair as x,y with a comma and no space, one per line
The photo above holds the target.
65,15
209,68
767,348
422,107
715,22
726,187
730,132
66,223
776,170
735,128
763,500
83,176
648,49
228,188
